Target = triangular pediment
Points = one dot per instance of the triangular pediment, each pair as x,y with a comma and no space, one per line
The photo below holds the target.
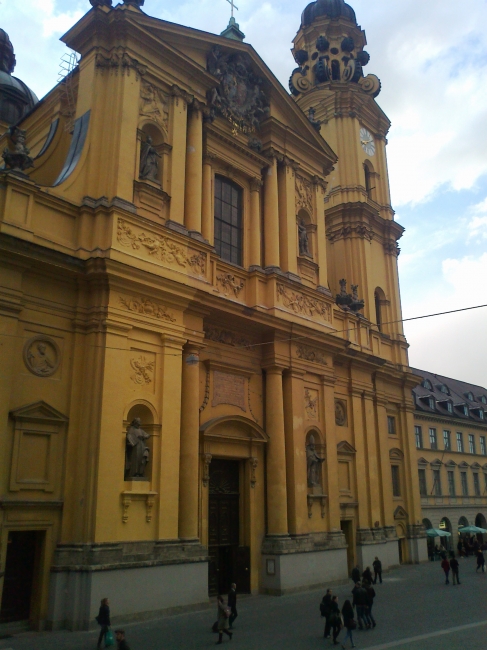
484,467
436,462
235,427
400,513
345,447
451,463
422,461
38,411
463,465
475,466
396,454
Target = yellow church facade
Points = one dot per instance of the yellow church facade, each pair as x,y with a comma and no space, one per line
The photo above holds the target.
204,374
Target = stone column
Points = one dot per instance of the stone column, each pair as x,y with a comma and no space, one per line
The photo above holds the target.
189,460
331,488
194,168
319,186
276,455
288,245
207,216
255,233
179,114
271,215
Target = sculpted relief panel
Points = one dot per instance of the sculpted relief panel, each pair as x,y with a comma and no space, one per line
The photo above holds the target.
42,356
302,304
229,389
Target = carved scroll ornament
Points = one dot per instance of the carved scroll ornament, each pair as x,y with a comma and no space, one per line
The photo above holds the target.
303,305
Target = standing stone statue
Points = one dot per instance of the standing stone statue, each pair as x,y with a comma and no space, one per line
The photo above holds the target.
149,163
303,239
313,462
137,452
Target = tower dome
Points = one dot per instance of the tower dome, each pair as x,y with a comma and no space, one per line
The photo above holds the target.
327,9
16,99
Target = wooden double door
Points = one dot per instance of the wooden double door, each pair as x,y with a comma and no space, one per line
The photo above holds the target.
228,561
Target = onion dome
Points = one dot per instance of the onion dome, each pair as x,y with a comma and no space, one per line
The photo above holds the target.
16,99
327,9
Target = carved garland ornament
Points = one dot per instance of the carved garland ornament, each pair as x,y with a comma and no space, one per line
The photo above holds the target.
229,284
311,404
143,370
154,104
304,195
147,307
302,304
311,354
225,336
362,231
160,247
119,61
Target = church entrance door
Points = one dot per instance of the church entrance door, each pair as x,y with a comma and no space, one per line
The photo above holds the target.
18,582
229,562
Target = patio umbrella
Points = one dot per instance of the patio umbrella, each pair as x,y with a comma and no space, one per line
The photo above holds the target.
437,532
472,529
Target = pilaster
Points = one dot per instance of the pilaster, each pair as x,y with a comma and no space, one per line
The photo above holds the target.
255,230
194,169
207,230
271,215
179,118
287,217
331,487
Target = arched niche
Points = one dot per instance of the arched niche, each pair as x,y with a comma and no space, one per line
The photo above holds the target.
147,415
151,135
381,310
306,234
315,457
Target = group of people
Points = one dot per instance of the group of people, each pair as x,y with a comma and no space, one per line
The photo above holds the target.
106,637
470,546
226,614
453,565
363,601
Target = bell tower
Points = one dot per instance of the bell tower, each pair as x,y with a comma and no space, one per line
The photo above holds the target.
330,87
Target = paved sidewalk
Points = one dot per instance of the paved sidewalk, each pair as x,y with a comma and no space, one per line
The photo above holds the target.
414,610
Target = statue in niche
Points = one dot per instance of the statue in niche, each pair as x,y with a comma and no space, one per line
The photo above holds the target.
303,239
137,452
149,163
313,462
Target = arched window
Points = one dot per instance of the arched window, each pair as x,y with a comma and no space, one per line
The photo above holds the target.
335,70
380,308
228,220
378,314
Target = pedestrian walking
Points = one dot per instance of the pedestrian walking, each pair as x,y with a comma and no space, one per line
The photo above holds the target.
232,603
377,564
121,643
103,620
367,575
223,620
348,622
370,603
360,601
335,619
480,561
445,565
455,568
325,609
356,575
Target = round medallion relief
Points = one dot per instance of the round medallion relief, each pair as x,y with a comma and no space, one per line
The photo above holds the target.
340,414
42,355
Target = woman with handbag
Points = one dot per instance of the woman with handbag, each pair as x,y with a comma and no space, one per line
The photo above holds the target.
348,622
103,619
223,619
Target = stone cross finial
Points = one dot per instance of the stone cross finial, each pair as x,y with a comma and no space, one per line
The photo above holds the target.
233,5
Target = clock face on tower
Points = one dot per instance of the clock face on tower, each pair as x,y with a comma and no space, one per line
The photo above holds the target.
367,141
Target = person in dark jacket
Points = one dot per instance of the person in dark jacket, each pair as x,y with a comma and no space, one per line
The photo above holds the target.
370,603
445,565
103,619
480,561
325,611
377,564
335,619
232,603
360,601
455,568
367,575
356,575
121,643
348,622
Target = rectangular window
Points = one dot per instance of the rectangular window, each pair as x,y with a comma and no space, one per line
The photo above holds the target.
433,439
459,441
228,220
396,486
485,483
482,445
423,490
463,476
471,443
391,425
476,485
451,483
437,482
419,437
447,440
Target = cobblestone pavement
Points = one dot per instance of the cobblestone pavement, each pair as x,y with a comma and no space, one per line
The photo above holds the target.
414,610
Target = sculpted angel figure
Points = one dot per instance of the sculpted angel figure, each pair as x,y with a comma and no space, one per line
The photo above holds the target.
137,452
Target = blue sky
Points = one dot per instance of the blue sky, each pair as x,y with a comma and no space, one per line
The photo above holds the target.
432,60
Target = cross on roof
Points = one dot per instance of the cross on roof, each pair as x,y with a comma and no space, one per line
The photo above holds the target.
233,5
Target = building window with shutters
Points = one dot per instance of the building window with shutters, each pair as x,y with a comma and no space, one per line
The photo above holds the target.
451,483
423,490
471,443
460,442
437,482
463,477
476,485
447,440
433,439
418,433
228,220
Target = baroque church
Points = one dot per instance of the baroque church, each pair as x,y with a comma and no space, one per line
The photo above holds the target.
204,374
